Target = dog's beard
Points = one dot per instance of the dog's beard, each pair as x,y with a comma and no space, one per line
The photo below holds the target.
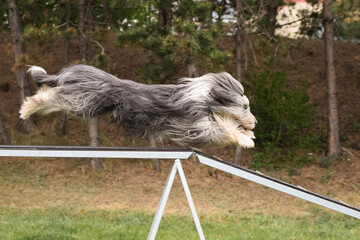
235,132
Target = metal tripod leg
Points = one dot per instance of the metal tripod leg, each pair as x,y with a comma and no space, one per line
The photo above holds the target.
158,215
189,198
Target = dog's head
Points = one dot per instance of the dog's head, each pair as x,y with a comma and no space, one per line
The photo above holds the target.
228,100
229,107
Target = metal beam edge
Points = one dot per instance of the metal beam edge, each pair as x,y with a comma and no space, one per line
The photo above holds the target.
94,152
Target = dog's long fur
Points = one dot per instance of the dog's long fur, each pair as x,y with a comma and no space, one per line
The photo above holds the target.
197,111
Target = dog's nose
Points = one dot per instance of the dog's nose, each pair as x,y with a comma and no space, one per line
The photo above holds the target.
256,122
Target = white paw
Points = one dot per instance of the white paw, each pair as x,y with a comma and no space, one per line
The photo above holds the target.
249,133
245,141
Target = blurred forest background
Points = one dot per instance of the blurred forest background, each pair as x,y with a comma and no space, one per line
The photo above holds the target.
289,75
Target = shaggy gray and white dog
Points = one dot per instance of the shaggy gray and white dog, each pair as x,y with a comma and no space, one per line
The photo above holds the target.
197,111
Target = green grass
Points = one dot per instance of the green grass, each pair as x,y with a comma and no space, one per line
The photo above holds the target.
74,223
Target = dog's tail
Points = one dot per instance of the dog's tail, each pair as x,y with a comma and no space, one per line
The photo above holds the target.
40,76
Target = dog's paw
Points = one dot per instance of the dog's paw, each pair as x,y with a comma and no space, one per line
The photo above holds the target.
245,141
249,133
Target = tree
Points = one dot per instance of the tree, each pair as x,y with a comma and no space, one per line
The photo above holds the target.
106,12
271,9
189,40
164,13
347,20
237,157
62,125
3,132
339,21
259,17
85,26
95,163
238,39
85,17
333,115
155,161
21,77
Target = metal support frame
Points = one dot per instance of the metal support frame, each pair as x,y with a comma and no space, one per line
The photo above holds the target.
158,215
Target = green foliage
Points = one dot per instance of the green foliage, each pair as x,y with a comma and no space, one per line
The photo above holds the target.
326,161
347,24
284,115
43,33
101,60
120,12
187,41
40,20
4,19
311,24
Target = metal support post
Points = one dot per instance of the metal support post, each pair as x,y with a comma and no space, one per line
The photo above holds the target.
190,201
158,215
161,207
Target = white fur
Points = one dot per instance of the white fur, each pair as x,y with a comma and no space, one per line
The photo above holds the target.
199,88
46,101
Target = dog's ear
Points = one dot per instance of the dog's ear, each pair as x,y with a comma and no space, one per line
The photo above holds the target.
225,84
221,97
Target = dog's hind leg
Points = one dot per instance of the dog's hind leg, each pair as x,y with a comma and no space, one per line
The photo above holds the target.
44,101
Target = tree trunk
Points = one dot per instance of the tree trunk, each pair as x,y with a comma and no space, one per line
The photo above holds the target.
192,70
238,54
21,78
86,25
3,132
61,127
155,161
85,15
95,163
237,156
81,29
165,13
238,40
333,116
66,35
271,12
106,12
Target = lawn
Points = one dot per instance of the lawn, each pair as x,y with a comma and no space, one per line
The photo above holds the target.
57,199
76,223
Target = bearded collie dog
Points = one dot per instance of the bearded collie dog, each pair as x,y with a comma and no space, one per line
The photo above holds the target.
211,109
